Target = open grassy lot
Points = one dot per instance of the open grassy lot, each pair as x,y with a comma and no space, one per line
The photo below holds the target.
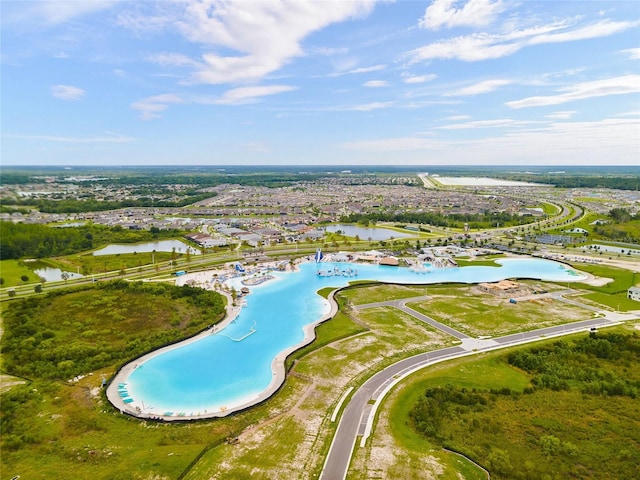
540,434
89,263
622,278
11,272
612,294
477,313
371,293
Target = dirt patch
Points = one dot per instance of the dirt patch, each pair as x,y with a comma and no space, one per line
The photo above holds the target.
598,281
383,458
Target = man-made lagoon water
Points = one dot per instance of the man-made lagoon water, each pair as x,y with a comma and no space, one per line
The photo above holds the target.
235,367
159,246
375,234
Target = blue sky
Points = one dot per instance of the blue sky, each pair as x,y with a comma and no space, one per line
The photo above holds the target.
441,82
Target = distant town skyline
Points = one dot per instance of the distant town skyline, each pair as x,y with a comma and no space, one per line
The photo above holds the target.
358,82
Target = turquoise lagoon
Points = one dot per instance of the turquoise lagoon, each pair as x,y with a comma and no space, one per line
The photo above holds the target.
235,367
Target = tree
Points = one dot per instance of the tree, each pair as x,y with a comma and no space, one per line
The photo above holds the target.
38,288
24,278
499,461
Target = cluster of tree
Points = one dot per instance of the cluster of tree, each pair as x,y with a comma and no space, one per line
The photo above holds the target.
72,205
11,209
439,404
622,215
158,178
563,366
20,240
38,343
457,220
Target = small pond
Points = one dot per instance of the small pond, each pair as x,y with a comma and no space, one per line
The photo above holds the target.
612,249
54,274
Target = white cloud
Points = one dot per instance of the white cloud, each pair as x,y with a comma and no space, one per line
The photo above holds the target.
60,11
328,51
420,78
375,84
634,53
67,92
456,118
356,71
172,59
475,13
482,87
368,107
566,115
61,55
565,143
495,123
265,35
146,17
151,107
484,46
581,91
243,95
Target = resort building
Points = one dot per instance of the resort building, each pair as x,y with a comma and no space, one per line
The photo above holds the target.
634,293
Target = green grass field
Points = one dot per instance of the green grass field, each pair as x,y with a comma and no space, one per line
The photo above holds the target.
11,272
544,434
622,279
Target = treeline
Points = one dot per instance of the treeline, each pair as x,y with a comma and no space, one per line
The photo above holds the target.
456,220
547,430
624,226
20,240
563,366
72,205
622,215
100,326
156,178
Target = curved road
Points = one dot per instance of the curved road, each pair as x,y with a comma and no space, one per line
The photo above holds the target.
357,417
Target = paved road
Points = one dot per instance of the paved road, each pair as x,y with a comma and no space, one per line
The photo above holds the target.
358,412
355,415
402,305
